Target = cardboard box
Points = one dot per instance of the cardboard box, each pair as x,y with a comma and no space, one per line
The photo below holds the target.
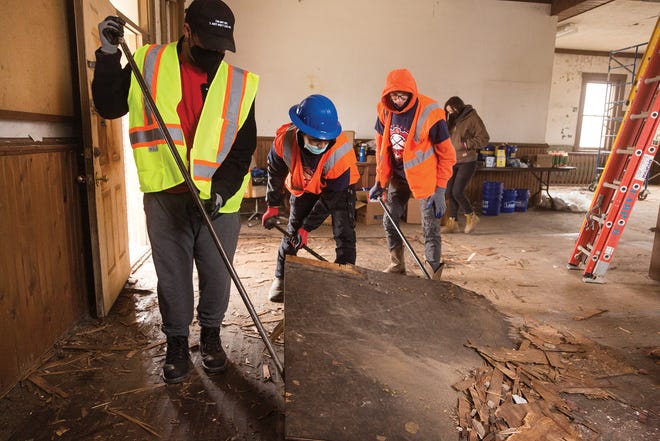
370,213
543,160
414,211
362,195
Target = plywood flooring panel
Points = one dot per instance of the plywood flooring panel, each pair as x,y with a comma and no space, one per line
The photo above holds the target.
374,355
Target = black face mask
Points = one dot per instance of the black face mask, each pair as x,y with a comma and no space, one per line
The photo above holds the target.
206,59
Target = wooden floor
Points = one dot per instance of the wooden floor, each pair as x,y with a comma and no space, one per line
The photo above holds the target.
102,380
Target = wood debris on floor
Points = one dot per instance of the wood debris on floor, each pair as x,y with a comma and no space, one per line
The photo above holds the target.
519,393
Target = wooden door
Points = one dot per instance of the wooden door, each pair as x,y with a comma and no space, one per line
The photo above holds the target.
104,167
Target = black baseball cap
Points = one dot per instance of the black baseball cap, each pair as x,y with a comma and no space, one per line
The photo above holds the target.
213,22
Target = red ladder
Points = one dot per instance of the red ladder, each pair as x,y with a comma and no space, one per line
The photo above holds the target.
625,172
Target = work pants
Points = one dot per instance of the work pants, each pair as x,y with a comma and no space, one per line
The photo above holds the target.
178,238
462,174
343,226
398,194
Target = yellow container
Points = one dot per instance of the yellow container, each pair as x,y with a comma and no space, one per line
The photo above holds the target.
500,156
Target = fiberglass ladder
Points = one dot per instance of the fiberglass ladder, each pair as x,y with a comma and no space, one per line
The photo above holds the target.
625,172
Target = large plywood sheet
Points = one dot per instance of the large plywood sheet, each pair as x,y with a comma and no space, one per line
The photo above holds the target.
371,355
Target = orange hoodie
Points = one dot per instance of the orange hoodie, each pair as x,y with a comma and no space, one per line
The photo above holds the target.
426,165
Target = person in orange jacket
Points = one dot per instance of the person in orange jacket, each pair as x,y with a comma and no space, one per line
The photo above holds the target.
315,161
414,157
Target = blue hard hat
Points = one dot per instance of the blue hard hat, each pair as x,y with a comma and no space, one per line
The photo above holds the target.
316,116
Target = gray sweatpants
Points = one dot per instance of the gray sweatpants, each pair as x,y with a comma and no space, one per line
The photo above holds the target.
398,194
178,238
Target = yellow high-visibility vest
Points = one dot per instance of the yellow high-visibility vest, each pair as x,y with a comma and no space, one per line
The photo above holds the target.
225,109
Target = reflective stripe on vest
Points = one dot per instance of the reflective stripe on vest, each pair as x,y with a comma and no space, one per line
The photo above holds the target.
203,170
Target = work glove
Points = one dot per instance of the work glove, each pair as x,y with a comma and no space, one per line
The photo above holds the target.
269,218
437,202
213,205
299,240
110,31
376,191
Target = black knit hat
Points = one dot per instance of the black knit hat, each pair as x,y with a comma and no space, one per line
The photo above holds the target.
213,22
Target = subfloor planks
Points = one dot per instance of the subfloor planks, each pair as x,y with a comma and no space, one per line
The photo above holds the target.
372,355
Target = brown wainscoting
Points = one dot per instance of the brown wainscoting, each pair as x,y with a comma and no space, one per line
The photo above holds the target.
263,147
43,289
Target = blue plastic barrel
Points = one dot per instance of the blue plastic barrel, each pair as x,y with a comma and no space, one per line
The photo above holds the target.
491,198
508,201
522,199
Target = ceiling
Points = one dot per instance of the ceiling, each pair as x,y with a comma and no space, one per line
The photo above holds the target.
604,26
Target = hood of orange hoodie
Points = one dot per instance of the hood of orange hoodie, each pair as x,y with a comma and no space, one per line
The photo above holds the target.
399,80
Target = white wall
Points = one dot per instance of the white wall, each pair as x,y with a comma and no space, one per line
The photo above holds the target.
497,55
563,108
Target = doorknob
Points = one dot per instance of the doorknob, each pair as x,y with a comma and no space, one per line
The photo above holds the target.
81,179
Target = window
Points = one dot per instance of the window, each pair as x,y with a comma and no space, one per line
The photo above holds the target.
601,110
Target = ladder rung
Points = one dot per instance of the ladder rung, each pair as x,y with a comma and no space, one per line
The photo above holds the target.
640,115
584,250
652,80
626,151
610,185
599,219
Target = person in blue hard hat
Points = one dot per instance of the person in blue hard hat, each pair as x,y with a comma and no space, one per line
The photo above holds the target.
315,162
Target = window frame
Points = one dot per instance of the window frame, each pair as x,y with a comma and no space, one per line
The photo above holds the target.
619,84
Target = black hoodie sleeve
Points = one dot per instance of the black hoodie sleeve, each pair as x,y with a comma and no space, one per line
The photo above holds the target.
110,85
277,172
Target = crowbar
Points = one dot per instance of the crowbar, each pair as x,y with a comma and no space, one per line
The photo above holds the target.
198,202
305,247
398,230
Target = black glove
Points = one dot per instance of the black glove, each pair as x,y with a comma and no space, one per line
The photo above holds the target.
213,205
299,240
111,30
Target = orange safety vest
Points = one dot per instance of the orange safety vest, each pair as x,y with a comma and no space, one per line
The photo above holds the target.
333,163
420,162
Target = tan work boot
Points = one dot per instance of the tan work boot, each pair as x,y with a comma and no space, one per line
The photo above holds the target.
450,227
471,221
276,292
397,261
435,274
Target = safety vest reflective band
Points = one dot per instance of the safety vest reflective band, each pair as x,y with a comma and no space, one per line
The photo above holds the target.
333,163
419,157
226,107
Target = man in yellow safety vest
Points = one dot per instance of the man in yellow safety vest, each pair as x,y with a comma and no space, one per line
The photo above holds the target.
208,108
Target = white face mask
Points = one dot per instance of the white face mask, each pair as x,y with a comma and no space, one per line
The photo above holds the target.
316,150
313,148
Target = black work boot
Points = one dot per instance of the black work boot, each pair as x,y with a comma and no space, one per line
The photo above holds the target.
177,360
214,359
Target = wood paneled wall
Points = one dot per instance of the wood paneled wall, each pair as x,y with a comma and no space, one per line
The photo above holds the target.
585,164
43,289
263,147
